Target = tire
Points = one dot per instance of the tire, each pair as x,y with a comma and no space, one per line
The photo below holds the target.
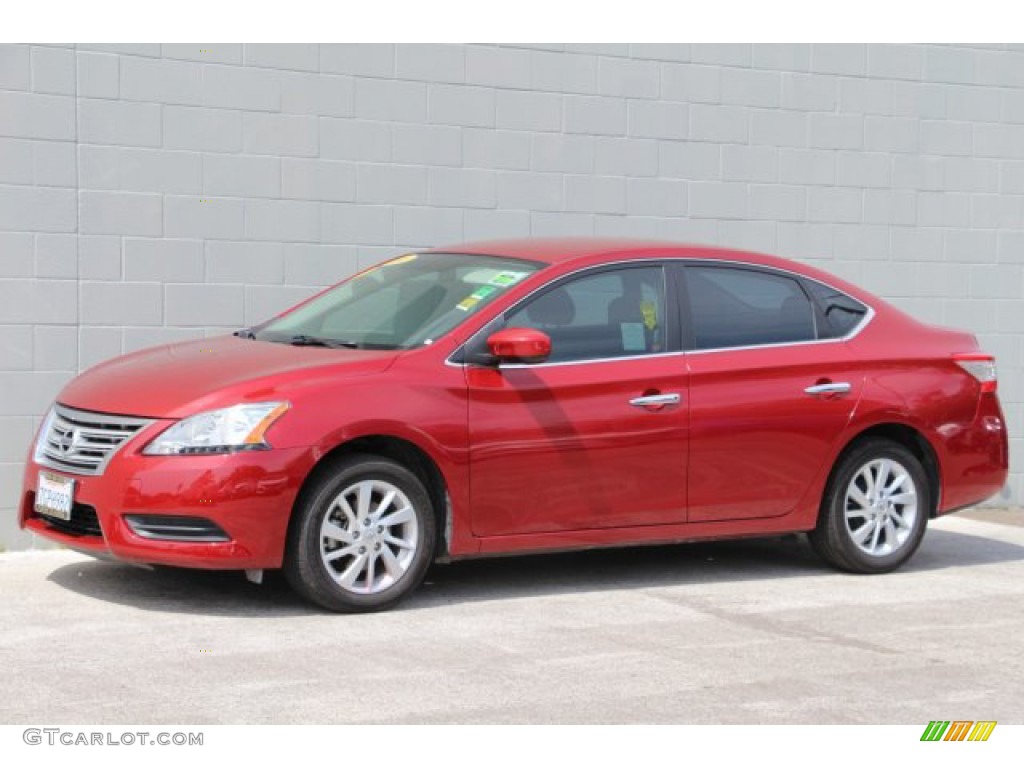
342,553
856,535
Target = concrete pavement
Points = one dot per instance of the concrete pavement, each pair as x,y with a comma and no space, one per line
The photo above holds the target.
737,632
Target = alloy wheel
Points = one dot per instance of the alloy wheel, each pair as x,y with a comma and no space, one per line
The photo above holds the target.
369,537
881,507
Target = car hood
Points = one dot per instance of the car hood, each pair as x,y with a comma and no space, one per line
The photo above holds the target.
177,380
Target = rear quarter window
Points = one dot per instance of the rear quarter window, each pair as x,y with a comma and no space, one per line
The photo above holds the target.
842,313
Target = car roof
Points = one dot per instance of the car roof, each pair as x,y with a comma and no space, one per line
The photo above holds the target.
591,250
569,249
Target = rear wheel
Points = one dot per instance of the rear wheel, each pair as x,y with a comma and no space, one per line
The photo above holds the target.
875,509
363,536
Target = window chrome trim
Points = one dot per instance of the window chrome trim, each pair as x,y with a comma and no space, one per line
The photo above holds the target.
684,261
514,366
869,315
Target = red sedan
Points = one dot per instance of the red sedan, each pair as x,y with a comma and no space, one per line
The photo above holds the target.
525,396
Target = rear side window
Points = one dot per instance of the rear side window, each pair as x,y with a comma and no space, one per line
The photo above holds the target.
842,313
735,307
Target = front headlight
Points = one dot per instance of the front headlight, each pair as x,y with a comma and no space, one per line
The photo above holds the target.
240,427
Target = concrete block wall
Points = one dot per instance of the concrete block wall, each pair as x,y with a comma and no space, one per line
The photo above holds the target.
155,193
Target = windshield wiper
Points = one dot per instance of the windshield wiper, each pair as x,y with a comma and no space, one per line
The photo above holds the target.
303,340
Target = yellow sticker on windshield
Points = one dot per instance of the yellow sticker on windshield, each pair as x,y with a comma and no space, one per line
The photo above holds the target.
650,313
476,297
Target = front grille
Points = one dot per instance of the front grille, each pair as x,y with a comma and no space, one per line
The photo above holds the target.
83,522
83,442
176,528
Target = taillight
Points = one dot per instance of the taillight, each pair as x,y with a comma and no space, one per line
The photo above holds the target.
981,367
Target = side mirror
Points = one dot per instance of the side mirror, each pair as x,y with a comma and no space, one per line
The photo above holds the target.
519,345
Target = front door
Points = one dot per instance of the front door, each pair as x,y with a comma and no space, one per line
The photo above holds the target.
596,437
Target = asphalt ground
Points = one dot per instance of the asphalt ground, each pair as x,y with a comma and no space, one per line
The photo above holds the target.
755,631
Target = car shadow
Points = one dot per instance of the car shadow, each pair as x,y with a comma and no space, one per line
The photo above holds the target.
222,593
181,590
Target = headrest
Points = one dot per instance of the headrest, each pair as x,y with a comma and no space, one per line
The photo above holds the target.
553,308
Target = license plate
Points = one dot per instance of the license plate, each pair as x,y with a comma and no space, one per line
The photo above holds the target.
54,495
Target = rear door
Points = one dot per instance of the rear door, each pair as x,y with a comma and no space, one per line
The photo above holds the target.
769,395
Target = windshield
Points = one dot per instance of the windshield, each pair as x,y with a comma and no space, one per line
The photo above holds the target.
403,303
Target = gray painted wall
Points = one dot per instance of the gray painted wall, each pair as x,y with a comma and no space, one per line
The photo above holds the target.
155,193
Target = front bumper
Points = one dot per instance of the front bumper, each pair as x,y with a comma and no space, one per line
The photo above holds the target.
247,494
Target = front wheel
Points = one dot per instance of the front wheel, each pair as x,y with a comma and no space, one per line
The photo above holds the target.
363,536
875,509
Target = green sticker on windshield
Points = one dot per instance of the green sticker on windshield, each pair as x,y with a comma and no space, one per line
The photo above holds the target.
483,291
505,279
476,297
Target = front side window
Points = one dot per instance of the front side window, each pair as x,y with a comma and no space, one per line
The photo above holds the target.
403,303
608,314
735,307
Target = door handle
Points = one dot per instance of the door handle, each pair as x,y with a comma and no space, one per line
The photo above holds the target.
829,388
647,401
